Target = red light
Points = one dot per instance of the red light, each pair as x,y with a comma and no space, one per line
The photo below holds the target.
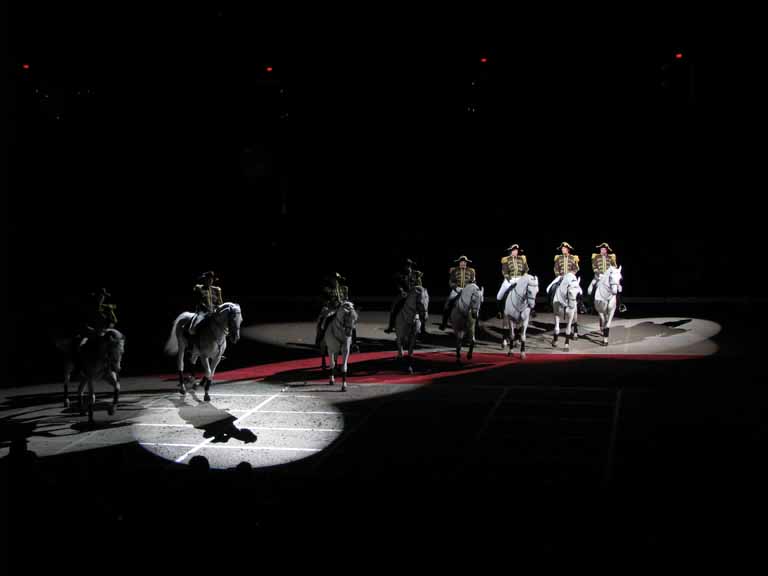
25,66
679,56
269,68
483,60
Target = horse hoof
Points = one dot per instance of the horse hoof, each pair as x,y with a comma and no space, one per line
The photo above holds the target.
66,403
522,356
111,410
575,336
410,369
509,352
344,387
554,343
469,355
206,398
504,343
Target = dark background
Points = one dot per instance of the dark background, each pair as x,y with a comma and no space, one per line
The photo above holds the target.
150,144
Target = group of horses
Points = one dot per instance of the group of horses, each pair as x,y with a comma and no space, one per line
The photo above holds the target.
100,355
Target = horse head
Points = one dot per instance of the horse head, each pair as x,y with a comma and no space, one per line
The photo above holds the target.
420,300
570,289
476,301
234,317
113,346
532,290
348,317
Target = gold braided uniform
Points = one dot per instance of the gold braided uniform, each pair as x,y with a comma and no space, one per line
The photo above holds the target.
514,266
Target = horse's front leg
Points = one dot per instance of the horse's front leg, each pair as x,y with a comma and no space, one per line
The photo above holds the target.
411,344
576,323
332,362
523,333
323,355
67,376
459,337
511,337
557,329
180,366
471,340
568,329
607,328
345,357
207,379
114,380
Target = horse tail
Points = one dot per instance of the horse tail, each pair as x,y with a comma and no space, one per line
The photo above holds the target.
172,344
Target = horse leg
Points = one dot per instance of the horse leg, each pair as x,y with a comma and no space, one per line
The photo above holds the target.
411,344
80,391
207,378
115,382
67,375
557,330
511,341
575,325
180,366
345,357
568,333
471,341
91,401
332,361
459,336
523,333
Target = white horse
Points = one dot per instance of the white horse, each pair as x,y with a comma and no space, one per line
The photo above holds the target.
338,340
409,321
99,357
464,317
208,343
565,304
517,310
606,291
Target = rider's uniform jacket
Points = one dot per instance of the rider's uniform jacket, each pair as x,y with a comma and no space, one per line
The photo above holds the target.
513,266
460,277
600,263
565,263
208,299
335,293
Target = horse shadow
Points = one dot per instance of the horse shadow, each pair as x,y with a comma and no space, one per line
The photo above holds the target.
215,423
630,334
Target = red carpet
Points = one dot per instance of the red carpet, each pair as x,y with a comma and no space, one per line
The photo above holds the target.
381,367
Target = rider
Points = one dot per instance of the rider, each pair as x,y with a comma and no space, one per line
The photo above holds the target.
99,316
208,298
565,262
513,267
406,279
600,264
460,276
334,294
